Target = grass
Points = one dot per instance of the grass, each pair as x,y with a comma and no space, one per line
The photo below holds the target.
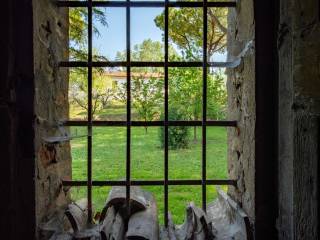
109,156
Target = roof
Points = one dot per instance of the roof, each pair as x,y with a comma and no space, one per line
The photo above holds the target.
122,74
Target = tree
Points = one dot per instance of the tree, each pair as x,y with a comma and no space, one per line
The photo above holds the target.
186,30
78,90
185,92
146,83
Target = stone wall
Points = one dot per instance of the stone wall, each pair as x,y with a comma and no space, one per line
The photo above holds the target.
53,161
241,107
299,102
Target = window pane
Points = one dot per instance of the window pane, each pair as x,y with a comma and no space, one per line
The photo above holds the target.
185,93
185,147
217,94
217,34
180,197
78,34
212,193
217,145
146,35
108,153
109,94
78,94
78,193
99,197
146,154
109,34
185,34
79,153
147,95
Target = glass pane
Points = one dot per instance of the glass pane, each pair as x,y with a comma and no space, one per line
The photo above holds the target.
109,94
99,197
217,34
146,35
185,93
109,153
185,152
146,154
79,153
212,193
217,145
78,34
147,94
180,197
217,98
78,94
78,193
185,34
109,38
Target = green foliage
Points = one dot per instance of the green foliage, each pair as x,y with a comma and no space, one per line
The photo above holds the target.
146,95
78,77
78,89
185,30
186,90
146,83
178,137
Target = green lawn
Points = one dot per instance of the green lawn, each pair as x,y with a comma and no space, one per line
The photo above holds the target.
109,156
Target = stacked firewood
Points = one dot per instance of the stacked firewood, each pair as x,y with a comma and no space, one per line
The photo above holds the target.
140,221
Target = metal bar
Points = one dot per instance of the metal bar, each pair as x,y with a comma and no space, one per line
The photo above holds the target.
166,113
144,4
141,64
128,152
152,123
204,106
220,182
89,163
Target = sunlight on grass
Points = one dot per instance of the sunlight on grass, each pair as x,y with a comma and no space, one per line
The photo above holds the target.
109,154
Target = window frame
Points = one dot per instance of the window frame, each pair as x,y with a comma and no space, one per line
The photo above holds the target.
90,123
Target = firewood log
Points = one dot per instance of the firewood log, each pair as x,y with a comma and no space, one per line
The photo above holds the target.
196,226
118,228
106,225
77,214
171,228
117,198
144,224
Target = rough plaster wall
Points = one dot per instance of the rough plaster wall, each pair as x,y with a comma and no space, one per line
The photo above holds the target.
53,162
299,103
241,95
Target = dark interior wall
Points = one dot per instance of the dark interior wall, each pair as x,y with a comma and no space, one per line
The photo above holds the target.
17,206
299,104
252,101
266,144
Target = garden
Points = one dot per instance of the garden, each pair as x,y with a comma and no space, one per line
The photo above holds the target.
185,93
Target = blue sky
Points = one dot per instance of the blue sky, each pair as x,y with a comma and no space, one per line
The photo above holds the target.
113,36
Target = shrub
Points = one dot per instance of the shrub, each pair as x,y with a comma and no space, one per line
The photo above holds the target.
178,137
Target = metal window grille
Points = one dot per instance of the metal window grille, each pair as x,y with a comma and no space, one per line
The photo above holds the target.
90,123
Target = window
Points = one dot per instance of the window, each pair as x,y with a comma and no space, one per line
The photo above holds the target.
127,126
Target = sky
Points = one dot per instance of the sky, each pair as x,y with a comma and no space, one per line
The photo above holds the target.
113,36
